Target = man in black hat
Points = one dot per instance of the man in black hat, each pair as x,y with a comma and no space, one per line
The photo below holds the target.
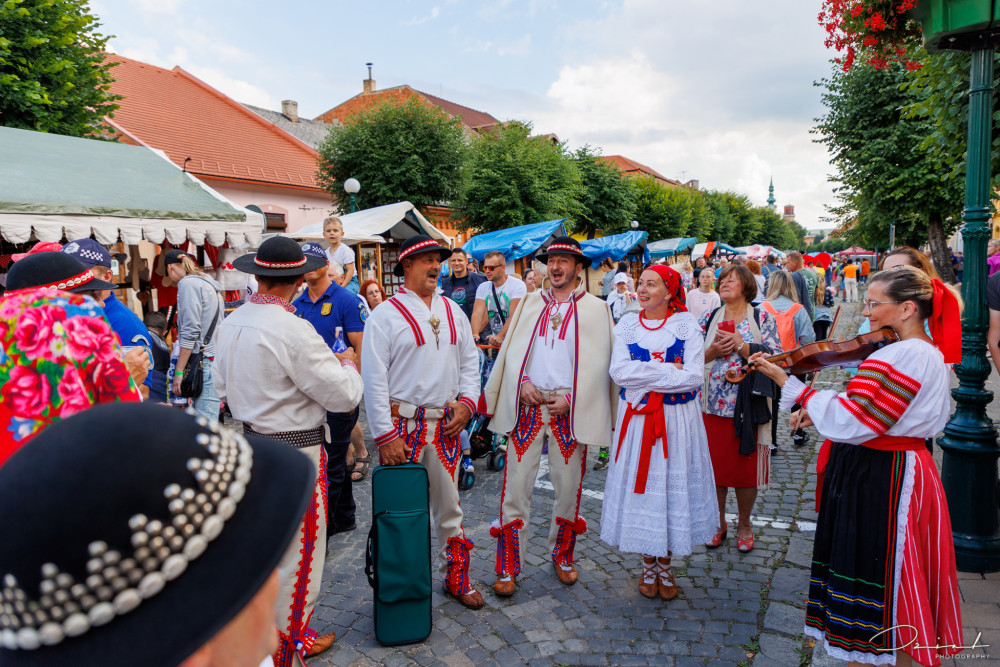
550,379
153,543
421,372
280,379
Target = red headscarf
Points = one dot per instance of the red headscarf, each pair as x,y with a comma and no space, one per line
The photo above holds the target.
945,323
672,280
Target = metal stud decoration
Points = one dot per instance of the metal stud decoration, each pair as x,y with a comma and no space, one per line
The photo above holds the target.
117,583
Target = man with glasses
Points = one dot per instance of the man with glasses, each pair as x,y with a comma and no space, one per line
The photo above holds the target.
496,299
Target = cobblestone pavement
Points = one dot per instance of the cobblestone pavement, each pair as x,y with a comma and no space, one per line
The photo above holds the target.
734,609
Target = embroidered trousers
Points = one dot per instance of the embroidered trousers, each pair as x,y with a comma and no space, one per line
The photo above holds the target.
567,460
301,572
440,456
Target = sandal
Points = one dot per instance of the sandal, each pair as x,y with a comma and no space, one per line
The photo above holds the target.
362,472
744,544
716,541
648,579
665,582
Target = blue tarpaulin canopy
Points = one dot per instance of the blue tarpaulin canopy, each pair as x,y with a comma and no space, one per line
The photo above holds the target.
670,247
515,242
726,248
616,247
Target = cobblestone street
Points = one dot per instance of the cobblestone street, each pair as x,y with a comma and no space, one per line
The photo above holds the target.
733,608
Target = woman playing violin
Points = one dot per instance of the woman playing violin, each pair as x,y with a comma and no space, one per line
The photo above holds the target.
883,556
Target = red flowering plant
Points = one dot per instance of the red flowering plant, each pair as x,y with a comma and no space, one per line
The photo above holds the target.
879,31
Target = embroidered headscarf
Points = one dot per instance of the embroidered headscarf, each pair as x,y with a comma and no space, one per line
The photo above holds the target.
58,357
945,323
672,279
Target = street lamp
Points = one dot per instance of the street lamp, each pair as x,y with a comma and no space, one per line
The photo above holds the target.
635,224
352,187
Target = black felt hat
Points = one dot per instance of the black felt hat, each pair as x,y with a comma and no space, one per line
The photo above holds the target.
278,256
564,245
418,244
134,533
53,269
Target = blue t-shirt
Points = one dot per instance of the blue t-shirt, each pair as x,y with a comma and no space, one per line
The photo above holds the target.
128,327
337,307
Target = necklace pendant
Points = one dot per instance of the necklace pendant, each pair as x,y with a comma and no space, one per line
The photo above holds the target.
435,324
556,321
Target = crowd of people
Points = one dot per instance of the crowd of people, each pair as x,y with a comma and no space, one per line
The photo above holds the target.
638,372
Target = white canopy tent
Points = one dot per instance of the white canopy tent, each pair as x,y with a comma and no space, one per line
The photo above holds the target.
381,224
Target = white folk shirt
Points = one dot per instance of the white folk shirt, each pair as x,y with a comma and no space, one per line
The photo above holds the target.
550,363
403,360
900,390
277,374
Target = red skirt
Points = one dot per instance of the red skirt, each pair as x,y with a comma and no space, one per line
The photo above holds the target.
731,468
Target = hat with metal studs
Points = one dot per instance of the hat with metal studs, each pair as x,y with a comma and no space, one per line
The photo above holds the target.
155,529
56,270
418,244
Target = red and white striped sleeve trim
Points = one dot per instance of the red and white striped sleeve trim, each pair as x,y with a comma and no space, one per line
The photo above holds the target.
349,364
879,395
386,438
469,403
804,397
525,378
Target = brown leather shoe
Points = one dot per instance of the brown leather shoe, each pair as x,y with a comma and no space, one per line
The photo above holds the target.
648,585
471,600
566,573
321,644
667,585
505,585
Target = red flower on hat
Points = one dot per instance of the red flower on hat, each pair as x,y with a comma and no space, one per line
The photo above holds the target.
87,336
27,391
34,332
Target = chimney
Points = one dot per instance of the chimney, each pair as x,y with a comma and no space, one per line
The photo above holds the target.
290,110
369,83
694,184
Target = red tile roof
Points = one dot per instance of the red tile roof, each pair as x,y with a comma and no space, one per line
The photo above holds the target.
184,117
632,167
474,120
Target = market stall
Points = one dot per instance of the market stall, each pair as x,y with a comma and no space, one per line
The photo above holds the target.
376,234
672,247
518,244
630,247
61,189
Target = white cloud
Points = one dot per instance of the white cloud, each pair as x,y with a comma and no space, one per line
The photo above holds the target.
420,20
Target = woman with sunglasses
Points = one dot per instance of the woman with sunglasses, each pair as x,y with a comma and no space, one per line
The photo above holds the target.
883,576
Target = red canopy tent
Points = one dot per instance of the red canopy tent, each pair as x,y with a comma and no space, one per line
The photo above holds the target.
856,250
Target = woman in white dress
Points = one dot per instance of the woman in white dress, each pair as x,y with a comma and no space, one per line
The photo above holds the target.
659,498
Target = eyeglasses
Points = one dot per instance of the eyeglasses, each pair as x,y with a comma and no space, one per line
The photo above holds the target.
490,267
866,304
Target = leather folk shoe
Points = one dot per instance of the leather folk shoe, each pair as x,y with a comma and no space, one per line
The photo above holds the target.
471,600
321,644
505,585
566,573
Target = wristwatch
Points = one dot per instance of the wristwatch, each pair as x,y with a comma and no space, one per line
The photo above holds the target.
740,347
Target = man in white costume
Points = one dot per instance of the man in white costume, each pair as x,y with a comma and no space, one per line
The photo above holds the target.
421,371
280,378
550,380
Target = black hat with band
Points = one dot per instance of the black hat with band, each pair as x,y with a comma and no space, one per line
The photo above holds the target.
154,531
279,256
419,244
56,270
564,245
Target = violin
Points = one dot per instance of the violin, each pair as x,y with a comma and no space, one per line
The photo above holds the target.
812,357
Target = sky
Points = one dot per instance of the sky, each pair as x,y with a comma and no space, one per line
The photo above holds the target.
720,91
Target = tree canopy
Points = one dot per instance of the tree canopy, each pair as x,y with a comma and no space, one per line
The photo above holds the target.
607,201
53,77
516,179
884,176
399,151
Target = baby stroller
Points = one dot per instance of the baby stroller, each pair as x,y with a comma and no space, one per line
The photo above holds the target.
482,442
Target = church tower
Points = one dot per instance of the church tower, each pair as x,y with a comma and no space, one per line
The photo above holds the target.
771,201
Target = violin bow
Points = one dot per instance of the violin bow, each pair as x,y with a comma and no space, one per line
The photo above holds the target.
829,336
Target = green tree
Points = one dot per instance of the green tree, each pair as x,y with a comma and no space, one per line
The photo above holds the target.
608,200
399,151
666,211
53,77
884,176
516,179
